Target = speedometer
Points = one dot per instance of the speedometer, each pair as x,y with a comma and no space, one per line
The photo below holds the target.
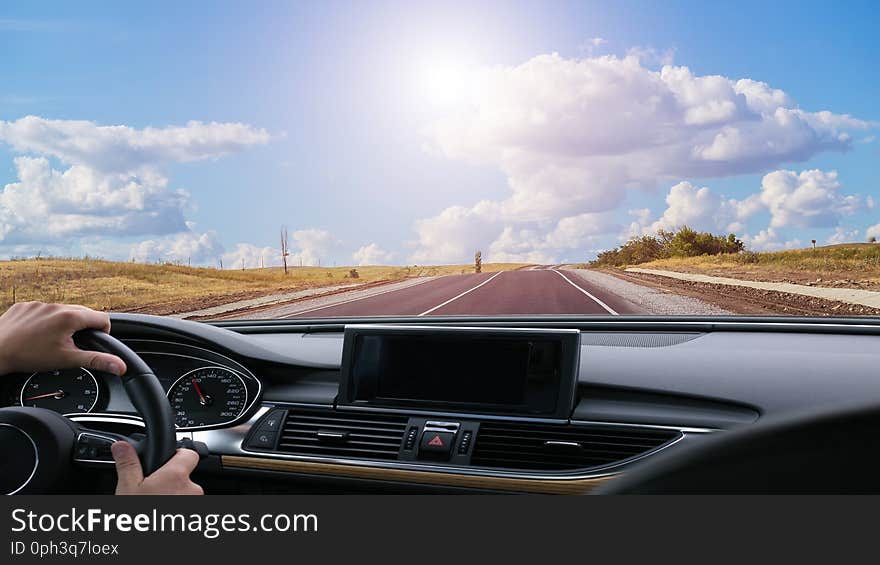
209,396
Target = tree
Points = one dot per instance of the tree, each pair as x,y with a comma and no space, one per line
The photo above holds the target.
284,251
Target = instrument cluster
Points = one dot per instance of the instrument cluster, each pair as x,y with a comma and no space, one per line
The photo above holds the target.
202,392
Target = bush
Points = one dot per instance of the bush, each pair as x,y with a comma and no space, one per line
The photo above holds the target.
684,242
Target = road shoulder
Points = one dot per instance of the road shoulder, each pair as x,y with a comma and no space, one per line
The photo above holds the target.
652,299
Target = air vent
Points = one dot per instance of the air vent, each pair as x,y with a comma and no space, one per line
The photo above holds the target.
328,433
550,447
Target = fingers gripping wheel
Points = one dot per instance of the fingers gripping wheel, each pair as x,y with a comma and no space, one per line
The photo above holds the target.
146,395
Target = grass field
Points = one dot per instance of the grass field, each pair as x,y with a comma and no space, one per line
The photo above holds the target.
849,264
165,289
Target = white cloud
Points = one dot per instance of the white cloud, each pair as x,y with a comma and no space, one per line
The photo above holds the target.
843,234
453,235
372,254
249,256
311,247
700,209
769,240
873,231
47,205
112,181
573,136
808,199
123,148
187,247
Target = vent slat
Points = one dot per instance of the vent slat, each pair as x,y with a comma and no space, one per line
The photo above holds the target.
344,426
368,436
521,446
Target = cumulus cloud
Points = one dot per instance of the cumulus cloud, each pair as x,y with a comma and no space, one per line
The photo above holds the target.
808,199
111,182
574,135
187,247
311,246
372,254
701,209
123,148
769,240
47,205
843,234
873,231
249,256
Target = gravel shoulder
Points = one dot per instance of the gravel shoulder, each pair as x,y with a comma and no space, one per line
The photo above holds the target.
654,299
747,300
314,303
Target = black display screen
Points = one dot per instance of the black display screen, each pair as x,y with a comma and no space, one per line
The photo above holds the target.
501,373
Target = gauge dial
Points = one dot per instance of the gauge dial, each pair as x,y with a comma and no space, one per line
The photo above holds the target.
66,391
209,396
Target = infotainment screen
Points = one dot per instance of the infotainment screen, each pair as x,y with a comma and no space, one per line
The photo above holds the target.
461,369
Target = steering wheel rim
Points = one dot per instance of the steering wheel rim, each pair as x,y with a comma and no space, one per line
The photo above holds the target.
146,395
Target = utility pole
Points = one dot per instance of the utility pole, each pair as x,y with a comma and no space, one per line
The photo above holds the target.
284,251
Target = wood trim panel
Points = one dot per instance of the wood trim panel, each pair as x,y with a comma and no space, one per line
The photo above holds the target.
543,486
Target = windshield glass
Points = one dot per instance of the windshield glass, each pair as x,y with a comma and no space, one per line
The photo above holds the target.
231,160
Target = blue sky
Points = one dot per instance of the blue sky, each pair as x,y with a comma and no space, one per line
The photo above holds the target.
346,152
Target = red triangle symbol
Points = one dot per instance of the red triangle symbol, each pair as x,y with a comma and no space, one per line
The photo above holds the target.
436,441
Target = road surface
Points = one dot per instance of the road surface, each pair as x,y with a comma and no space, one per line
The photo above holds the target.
536,291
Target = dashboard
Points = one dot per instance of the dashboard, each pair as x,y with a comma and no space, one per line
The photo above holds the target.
462,405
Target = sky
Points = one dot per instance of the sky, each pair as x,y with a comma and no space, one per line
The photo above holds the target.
418,132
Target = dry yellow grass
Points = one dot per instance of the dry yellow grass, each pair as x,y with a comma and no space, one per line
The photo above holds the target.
852,264
162,289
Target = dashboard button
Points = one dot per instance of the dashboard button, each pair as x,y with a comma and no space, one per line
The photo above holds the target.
272,422
437,443
263,440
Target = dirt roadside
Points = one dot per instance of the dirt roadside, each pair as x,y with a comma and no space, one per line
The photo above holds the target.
742,300
178,306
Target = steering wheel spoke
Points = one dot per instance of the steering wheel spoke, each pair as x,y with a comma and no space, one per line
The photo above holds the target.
93,446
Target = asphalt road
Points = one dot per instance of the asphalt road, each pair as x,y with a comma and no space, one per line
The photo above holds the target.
537,291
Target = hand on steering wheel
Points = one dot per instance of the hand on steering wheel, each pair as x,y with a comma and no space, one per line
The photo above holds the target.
38,447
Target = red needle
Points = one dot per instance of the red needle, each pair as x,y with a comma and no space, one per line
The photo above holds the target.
198,390
47,395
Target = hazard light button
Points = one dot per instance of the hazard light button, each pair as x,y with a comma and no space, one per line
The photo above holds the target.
436,444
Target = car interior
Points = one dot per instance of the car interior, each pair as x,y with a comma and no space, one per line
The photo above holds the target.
550,405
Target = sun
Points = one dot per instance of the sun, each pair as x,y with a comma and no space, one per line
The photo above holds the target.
444,82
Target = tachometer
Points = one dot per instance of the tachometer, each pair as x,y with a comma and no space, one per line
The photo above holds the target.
66,391
209,396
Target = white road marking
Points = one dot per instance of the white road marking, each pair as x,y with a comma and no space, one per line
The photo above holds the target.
426,312
350,300
596,300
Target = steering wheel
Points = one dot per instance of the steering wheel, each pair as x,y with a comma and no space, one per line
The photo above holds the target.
39,447
833,451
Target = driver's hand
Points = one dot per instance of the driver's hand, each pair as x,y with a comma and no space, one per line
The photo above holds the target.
170,478
38,337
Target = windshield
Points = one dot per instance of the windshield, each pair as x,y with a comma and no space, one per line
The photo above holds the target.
233,160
